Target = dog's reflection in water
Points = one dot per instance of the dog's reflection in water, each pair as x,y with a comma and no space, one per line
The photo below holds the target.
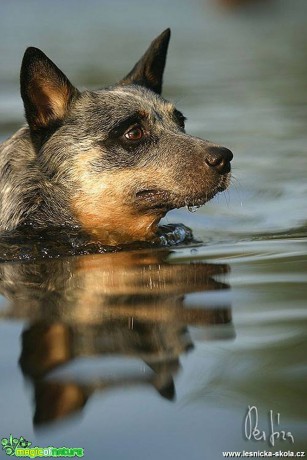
124,305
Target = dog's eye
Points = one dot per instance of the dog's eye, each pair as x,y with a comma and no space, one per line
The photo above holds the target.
134,134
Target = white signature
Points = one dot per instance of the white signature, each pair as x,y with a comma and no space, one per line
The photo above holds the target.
271,434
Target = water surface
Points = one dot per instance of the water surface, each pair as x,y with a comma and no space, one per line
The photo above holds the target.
159,353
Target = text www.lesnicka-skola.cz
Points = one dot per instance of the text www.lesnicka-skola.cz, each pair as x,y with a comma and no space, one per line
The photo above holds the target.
264,454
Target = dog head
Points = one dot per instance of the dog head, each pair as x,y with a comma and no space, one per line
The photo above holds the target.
119,155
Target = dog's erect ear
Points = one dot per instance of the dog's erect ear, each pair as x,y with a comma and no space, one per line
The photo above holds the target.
45,90
148,71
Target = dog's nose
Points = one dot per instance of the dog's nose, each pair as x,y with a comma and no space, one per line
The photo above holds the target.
219,158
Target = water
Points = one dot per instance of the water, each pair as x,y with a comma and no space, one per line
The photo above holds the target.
159,353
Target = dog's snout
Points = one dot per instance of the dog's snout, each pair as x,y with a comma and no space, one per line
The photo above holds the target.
219,158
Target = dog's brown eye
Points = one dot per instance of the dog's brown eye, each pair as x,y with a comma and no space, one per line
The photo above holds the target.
134,134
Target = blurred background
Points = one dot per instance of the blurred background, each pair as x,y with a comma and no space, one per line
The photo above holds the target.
238,70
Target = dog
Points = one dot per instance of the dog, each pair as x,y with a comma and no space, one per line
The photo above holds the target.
110,162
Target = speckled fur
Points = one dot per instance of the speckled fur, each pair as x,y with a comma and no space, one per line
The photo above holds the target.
68,167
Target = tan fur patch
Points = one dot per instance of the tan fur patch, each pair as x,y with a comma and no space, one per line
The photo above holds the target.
51,101
108,206
114,224
105,203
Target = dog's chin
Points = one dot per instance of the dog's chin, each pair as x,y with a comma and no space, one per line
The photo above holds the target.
153,199
163,201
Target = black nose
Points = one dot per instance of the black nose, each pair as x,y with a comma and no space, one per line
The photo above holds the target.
219,158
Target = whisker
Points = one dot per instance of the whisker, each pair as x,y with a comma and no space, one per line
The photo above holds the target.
235,182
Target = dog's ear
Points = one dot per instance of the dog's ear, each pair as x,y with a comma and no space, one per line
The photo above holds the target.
148,71
45,90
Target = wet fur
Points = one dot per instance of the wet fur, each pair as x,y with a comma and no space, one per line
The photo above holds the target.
72,165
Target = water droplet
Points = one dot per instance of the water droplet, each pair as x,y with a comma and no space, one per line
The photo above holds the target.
193,208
